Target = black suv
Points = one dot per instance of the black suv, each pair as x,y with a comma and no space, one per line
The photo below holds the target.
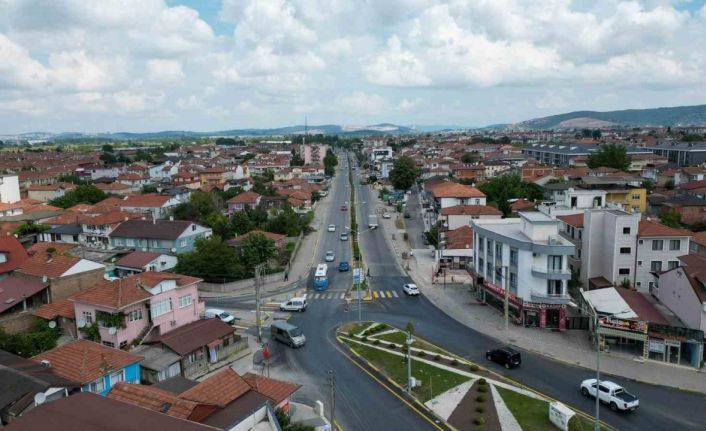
504,356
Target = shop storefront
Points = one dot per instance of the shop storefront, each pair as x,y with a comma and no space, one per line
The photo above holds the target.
624,336
675,345
526,313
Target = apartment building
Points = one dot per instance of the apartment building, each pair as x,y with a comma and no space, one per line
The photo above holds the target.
529,258
658,249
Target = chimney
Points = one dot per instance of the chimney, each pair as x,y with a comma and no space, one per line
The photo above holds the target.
46,363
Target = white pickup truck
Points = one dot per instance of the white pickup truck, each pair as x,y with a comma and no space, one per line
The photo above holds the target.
612,394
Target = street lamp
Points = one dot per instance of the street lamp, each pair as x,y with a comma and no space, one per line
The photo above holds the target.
597,426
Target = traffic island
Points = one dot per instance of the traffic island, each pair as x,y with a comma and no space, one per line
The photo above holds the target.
451,392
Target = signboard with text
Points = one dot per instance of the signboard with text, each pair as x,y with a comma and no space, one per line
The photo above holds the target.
624,324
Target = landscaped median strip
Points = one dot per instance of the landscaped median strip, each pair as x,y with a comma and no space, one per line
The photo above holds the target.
464,400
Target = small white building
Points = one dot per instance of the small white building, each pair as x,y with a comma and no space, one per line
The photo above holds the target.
529,258
9,189
462,215
658,249
683,291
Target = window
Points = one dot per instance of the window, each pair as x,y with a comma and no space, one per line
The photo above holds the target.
129,242
624,271
481,264
554,263
639,263
123,344
226,342
636,208
489,269
513,282
625,250
155,243
97,386
182,243
184,301
161,307
626,231
117,377
672,264
694,247
118,241
636,197
108,344
554,287
490,248
481,244
655,266
134,315
580,233
498,250
193,357
657,244
513,257
674,244
88,317
477,201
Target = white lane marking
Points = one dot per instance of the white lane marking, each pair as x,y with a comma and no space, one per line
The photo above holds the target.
394,293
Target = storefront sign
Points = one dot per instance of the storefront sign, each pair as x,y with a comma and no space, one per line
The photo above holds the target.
500,293
542,306
657,346
626,325
560,415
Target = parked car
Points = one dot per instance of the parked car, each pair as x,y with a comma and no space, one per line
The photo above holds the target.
410,289
294,304
505,356
287,333
407,215
330,256
332,228
344,236
323,193
344,207
610,393
386,215
215,313
343,266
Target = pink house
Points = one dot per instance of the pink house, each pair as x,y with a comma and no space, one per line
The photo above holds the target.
143,305
242,201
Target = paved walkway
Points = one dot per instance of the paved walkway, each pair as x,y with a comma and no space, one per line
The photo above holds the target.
572,347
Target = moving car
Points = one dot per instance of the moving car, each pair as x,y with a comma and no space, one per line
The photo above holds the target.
344,236
344,207
287,333
215,313
386,215
294,304
332,228
343,266
323,193
410,289
612,394
505,356
407,215
330,256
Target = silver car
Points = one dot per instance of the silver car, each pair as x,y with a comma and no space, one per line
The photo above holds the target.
330,256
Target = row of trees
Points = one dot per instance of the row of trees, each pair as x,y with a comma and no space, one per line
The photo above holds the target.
330,163
82,194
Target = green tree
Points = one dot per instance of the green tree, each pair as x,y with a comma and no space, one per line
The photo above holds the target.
315,196
671,219
219,223
330,163
143,156
149,188
404,173
287,223
611,156
596,134
669,185
296,159
200,206
107,148
240,223
499,189
68,178
109,158
213,260
648,185
468,158
258,215
257,249
27,344
83,194
586,133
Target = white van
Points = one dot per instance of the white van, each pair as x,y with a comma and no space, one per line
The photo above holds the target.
287,333
294,304
213,313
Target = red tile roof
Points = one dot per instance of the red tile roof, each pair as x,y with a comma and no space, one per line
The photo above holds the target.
84,361
42,247
699,237
641,306
50,264
51,187
15,254
160,400
137,259
244,198
14,289
220,389
454,190
149,200
575,220
276,390
694,267
648,228
41,208
521,204
470,210
459,239
187,338
60,308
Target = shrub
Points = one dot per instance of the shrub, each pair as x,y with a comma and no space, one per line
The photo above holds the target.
454,362
437,358
479,420
474,367
480,398
480,409
482,381
392,346
376,342
421,353
365,339
482,389
575,423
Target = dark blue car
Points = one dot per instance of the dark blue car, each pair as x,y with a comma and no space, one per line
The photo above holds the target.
343,266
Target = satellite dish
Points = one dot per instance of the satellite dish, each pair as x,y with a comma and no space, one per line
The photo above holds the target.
52,324
40,398
81,323
112,331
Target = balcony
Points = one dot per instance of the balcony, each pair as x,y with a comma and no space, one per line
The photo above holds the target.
550,298
551,273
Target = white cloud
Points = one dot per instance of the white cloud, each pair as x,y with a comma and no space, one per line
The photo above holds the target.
165,71
407,104
555,98
360,101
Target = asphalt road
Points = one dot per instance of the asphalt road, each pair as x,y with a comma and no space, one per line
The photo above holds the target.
362,404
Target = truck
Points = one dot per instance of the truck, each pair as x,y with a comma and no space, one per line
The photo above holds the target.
611,394
372,221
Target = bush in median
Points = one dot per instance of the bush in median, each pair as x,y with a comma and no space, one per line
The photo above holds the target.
437,358
392,346
474,367
480,409
421,353
479,420
482,389
482,381
480,398
454,362
376,341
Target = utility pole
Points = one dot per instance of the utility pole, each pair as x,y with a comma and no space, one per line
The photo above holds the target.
409,362
258,273
507,298
331,378
597,426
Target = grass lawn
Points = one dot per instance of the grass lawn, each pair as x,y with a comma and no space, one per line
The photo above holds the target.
401,337
434,381
354,327
532,414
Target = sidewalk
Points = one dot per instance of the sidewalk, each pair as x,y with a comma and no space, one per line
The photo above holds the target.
301,265
572,347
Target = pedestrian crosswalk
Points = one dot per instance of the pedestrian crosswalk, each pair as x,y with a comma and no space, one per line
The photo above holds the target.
377,294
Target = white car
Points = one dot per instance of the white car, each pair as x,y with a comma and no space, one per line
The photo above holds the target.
411,289
332,228
330,256
386,215
612,394
294,304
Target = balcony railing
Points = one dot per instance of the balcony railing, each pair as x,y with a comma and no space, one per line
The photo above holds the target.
552,298
551,273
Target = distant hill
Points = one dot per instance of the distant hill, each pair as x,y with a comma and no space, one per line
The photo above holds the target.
674,116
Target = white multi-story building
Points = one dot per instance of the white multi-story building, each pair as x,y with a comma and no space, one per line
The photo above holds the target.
658,250
608,252
529,258
9,189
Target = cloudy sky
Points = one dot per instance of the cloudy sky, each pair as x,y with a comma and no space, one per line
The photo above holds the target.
147,65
